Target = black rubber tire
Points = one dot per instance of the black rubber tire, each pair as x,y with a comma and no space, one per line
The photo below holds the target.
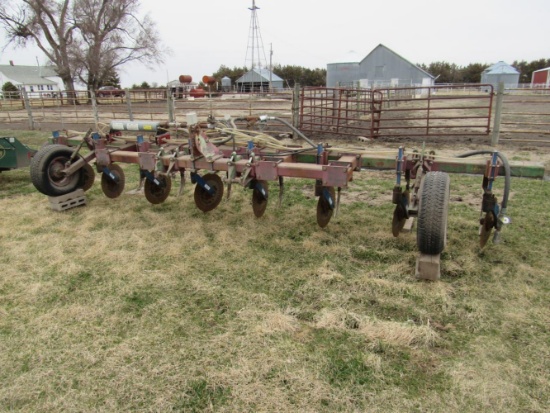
110,188
433,211
259,203
157,194
87,177
324,211
203,200
46,164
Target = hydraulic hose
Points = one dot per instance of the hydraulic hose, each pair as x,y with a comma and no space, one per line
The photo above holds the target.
300,134
284,122
507,173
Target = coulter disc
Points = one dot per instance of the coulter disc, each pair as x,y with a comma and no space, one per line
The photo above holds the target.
87,177
157,194
112,188
324,210
486,227
399,219
259,201
203,199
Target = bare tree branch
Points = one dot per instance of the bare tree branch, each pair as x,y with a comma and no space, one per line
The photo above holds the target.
86,39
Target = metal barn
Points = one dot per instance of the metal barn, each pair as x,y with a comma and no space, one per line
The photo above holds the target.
500,72
541,78
257,80
382,67
342,74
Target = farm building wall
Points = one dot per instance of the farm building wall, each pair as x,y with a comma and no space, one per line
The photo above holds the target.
541,78
382,67
342,74
258,80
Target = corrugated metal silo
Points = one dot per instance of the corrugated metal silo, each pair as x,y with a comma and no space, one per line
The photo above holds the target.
501,72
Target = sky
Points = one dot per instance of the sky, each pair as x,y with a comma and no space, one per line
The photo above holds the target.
202,35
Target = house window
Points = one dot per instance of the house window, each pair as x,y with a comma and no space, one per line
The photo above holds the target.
40,87
50,87
32,88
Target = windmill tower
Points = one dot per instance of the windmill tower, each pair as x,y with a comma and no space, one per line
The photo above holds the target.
255,50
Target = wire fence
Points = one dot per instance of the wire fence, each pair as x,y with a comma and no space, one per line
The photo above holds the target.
398,112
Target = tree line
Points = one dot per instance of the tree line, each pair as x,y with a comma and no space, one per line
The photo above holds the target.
446,72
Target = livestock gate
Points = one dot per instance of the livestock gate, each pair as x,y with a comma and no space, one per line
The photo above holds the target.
398,112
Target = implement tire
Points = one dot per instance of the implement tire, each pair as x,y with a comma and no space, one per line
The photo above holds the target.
45,169
433,211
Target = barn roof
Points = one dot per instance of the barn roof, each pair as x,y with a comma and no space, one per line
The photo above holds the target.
381,46
29,75
256,75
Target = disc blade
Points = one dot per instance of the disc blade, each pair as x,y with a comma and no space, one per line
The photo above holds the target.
203,199
324,211
157,193
112,188
259,201
399,219
486,228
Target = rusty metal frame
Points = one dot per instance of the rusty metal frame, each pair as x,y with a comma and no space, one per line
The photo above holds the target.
397,112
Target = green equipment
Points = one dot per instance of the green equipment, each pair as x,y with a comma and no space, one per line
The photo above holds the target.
13,154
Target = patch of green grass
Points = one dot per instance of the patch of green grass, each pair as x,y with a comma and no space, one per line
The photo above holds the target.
200,396
124,306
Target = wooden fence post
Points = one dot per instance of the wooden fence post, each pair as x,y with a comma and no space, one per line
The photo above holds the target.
129,104
29,109
498,114
296,106
94,109
170,102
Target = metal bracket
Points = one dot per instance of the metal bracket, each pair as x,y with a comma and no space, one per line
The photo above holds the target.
150,177
107,172
196,178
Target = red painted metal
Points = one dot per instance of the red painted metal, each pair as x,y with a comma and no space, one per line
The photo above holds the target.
197,93
540,78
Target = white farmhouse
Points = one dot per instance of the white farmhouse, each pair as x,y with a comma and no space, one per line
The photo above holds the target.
37,80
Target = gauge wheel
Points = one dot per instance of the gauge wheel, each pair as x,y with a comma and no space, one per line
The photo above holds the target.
203,199
113,186
157,194
259,201
46,171
324,209
433,211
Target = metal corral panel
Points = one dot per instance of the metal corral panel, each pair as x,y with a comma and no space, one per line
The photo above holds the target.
541,78
342,74
501,72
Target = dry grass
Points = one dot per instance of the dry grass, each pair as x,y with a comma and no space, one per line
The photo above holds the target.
124,306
